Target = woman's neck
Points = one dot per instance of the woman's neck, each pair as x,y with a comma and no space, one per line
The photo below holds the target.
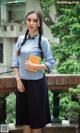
32,34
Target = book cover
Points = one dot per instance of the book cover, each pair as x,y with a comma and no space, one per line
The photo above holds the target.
34,59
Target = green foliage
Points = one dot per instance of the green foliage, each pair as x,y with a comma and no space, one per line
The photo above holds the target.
67,29
10,108
50,94
67,58
45,4
68,23
75,93
60,6
70,104
70,66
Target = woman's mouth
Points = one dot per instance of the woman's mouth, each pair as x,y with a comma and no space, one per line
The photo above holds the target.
31,27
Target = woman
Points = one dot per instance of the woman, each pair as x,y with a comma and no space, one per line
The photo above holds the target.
32,106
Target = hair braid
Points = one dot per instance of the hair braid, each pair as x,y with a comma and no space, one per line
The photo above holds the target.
39,42
24,40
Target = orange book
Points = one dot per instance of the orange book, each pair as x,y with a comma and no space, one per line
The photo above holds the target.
34,59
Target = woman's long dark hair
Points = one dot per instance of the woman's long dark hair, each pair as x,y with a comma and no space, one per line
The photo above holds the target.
40,31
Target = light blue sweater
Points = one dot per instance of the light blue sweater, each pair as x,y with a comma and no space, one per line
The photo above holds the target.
31,47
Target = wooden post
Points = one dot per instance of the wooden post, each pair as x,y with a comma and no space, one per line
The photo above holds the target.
56,106
2,109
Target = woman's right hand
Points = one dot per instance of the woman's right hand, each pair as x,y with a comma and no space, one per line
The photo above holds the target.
20,86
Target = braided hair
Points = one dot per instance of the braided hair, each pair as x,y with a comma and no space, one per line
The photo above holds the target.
40,31
24,40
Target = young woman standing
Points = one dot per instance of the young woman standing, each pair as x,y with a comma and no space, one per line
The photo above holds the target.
32,105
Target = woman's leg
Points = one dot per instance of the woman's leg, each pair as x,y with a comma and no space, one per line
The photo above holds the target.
39,130
26,129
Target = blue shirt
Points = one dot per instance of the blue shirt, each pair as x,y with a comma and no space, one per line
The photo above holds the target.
31,47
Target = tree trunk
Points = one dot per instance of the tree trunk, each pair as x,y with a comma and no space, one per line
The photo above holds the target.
53,12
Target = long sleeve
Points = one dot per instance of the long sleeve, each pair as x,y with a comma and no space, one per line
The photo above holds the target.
49,60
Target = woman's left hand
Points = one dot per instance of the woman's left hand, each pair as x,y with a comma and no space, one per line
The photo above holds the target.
29,65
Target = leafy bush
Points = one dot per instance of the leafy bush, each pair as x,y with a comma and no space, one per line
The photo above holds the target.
67,53
70,104
50,94
10,108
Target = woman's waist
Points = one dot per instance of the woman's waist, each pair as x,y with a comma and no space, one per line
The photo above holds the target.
24,74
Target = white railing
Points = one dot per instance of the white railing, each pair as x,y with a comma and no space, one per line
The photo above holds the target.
11,30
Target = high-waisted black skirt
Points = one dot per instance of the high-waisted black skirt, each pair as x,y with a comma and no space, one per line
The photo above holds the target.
32,106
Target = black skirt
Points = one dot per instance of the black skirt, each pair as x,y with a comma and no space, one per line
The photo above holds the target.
32,106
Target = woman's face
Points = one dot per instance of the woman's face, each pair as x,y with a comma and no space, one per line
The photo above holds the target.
32,22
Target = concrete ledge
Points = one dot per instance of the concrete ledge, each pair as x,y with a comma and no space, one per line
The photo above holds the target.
51,128
55,82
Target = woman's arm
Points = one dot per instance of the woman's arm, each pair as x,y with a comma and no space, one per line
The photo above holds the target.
15,67
16,71
30,66
20,85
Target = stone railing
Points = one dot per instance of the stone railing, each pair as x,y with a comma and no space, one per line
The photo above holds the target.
11,30
56,83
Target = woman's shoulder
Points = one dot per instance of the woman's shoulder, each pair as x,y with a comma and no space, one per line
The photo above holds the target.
19,40
21,37
44,39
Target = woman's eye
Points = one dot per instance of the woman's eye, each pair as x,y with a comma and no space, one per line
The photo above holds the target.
33,20
29,19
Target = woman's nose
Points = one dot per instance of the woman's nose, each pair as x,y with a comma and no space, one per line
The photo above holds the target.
31,22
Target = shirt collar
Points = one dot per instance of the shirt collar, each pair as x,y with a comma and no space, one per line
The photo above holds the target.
29,37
